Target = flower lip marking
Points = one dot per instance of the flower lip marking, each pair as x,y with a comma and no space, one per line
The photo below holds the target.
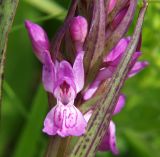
71,118
65,87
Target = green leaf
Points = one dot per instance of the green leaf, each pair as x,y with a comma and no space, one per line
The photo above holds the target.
7,12
31,134
22,70
16,103
37,20
11,119
48,6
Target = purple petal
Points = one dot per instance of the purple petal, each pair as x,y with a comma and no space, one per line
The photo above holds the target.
65,73
48,73
39,39
88,115
65,70
112,139
50,127
120,104
103,74
78,29
78,70
109,141
74,124
111,6
135,57
118,50
65,120
116,21
138,66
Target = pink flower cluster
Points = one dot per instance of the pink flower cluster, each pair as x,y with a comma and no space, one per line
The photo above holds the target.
64,81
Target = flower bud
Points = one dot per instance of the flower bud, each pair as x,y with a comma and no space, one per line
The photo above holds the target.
116,21
78,29
111,6
39,39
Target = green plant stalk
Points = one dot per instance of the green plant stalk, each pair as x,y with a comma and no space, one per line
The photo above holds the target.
7,13
87,145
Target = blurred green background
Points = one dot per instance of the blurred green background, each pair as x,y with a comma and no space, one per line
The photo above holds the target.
25,102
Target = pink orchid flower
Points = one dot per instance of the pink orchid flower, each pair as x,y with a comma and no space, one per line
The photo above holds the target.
111,62
64,82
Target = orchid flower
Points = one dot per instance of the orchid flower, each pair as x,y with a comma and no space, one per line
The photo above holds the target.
63,81
108,142
111,62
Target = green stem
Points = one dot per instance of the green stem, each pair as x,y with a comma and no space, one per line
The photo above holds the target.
7,13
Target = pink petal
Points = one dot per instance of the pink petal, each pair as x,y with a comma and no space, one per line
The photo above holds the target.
48,73
78,70
49,126
65,120
103,74
112,139
88,115
118,50
112,4
120,104
116,21
135,57
65,70
78,28
138,66
109,141
65,73
74,124
39,39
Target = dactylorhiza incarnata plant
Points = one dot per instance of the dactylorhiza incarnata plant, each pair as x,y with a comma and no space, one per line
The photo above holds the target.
65,78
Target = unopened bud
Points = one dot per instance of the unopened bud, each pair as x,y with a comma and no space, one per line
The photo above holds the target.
78,29
39,38
111,6
116,21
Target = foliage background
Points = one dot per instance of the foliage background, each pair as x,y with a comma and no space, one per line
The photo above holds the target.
25,102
